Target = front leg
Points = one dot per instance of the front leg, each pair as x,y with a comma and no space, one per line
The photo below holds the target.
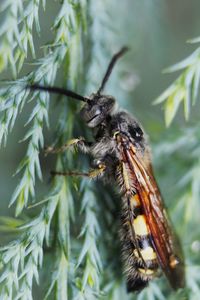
80,143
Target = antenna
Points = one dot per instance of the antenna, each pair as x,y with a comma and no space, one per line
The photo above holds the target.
110,68
58,90
68,93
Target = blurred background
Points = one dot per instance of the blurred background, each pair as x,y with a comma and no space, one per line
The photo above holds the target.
156,33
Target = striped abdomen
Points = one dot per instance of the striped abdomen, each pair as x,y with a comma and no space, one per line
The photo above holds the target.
139,256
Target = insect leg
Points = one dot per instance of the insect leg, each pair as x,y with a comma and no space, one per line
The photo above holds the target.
93,173
80,143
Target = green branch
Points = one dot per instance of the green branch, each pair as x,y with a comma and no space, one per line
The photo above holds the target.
184,90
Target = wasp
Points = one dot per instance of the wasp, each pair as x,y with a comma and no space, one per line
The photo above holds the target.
121,155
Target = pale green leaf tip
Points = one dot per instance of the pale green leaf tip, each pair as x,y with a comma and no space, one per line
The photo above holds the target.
165,71
168,120
168,123
159,100
18,211
156,101
193,41
170,69
187,116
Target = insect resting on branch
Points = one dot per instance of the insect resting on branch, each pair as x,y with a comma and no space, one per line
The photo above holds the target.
121,155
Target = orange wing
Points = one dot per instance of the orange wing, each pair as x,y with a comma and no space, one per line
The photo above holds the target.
165,243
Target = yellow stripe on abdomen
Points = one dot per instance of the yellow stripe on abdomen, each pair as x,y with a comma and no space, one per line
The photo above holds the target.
146,271
140,226
142,233
147,253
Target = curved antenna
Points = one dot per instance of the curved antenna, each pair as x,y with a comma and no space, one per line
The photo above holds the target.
110,68
57,90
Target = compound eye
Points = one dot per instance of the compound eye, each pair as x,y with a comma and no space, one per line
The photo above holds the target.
136,133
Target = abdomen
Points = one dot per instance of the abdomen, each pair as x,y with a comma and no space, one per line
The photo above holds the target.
139,256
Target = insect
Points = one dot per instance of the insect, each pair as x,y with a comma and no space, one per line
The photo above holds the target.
121,155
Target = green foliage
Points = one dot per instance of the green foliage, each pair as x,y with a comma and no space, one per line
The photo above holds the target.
183,150
67,242
185,147
16,33
185,89
22,259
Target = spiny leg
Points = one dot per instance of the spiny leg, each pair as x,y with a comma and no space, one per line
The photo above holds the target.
93,173
80,143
